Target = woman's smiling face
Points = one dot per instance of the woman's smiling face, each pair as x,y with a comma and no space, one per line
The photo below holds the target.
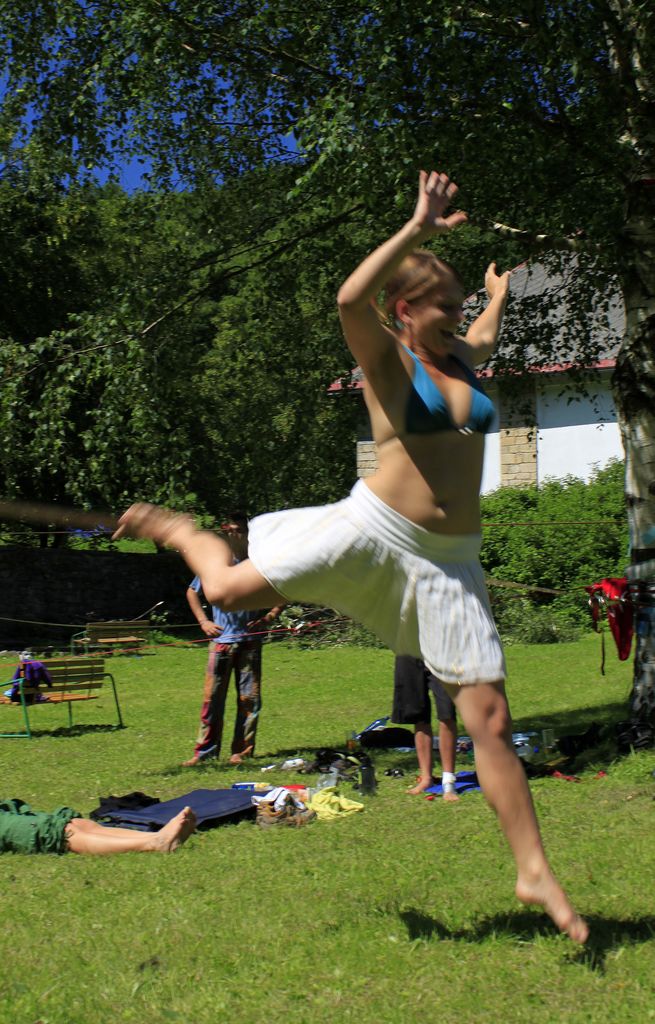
433,319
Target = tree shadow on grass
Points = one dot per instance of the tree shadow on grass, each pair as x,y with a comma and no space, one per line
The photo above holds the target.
250,767
574,720
606,934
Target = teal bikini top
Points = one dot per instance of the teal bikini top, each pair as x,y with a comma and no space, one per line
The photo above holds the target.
427,412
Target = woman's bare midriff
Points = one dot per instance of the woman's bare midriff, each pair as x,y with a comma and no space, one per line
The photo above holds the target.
432,479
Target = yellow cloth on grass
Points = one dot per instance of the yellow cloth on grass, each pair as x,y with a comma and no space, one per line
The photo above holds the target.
328,803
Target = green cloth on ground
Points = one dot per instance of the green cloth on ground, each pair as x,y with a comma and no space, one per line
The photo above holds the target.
328,803
23,830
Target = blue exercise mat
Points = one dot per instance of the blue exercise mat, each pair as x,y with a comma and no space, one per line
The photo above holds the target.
212,807
465,782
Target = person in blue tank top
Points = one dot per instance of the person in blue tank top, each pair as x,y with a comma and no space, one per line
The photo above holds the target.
401,553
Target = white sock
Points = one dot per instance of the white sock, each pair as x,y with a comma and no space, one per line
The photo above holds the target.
448,782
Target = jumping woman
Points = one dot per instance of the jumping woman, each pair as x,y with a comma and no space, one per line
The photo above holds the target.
401,553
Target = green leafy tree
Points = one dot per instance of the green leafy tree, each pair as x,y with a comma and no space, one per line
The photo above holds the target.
183,357
93,393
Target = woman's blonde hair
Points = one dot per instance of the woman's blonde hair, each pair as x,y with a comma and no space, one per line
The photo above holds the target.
418,274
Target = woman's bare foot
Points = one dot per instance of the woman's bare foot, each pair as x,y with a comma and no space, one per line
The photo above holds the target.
157,524
175,832
423,783
450,796
545,891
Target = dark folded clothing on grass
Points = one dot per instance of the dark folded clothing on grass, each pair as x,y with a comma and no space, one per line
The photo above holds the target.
212,807
129,802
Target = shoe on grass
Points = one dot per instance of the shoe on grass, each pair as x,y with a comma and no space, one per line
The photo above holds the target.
286,815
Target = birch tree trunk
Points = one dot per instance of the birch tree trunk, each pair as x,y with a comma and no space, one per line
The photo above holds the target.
634,386
631,47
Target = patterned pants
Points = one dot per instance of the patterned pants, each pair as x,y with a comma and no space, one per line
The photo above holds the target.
245,660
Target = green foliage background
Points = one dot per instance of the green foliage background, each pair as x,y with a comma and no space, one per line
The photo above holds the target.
146,353
564,535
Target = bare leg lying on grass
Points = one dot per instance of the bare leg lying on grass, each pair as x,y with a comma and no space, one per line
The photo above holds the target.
485,713
84,836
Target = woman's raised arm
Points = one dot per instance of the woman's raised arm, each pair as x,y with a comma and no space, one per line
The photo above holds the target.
482,335
368,339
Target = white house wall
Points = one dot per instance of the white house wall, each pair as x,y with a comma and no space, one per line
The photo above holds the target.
491,475
575,436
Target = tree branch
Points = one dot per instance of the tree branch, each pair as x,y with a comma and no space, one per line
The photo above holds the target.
219,46
540,242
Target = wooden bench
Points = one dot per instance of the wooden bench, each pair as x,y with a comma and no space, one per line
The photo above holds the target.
73,680
121,634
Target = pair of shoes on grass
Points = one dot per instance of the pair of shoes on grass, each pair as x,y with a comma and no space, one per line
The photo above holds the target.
288,814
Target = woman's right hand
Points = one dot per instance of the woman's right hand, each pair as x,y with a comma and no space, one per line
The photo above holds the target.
495,283
435,193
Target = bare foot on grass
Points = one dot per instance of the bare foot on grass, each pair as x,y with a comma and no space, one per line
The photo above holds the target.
547,893
238,758
451,797
176,831
422,784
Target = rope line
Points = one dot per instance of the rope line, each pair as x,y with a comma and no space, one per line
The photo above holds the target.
484,523
490,580
294,631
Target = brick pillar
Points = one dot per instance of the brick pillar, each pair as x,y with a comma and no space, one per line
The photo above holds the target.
367,458
518,436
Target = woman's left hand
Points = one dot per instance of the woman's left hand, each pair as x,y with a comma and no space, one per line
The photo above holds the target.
435,193
495,283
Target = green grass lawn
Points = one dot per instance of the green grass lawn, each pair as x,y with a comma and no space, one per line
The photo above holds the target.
403,913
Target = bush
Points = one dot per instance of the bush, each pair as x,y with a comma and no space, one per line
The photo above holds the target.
311,627
561,536
521,621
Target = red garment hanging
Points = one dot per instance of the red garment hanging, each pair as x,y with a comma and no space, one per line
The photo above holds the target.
612,593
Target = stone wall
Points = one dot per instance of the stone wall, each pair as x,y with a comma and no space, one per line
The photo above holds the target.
58,591
518,438
367,458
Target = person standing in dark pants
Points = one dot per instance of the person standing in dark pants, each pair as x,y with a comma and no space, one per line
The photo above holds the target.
235,647
413,683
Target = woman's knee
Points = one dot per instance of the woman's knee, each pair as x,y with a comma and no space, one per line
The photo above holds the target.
485,711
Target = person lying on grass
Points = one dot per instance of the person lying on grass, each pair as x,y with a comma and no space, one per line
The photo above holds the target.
23,830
